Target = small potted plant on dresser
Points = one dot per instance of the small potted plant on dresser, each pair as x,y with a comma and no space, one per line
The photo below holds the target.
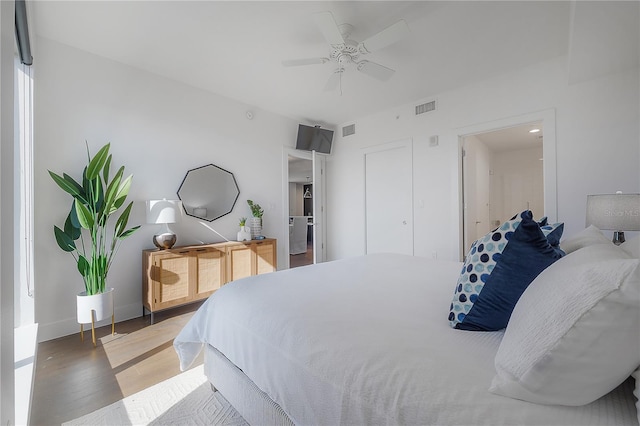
255,222
245,233
96,199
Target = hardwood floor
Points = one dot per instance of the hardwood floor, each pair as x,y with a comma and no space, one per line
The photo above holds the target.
302,259
73,378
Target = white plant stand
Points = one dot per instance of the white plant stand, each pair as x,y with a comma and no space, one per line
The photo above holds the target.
94,308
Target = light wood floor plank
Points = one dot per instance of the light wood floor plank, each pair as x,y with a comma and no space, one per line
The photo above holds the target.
73,378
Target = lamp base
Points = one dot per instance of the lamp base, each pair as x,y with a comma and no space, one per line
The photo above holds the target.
165,240
618,237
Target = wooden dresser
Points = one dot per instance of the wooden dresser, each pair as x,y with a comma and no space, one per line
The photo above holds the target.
182,275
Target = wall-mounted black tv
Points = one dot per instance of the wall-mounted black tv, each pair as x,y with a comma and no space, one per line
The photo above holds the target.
314,139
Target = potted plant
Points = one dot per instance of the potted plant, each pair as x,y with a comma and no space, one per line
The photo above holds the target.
256,219
96,199
245,233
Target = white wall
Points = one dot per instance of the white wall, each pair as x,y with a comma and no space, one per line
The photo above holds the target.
516,180
597,151
7,365
158,129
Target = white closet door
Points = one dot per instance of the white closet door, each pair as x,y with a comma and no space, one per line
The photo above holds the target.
389,198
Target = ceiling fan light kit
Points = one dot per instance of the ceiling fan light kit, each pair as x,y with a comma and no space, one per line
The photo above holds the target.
346,51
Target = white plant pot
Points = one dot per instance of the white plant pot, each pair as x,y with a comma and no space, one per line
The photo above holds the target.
101,304
255,223
244,234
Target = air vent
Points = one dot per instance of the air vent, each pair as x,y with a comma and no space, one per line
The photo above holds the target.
348,130
426,107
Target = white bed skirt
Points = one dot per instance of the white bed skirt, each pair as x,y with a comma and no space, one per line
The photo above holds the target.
253,405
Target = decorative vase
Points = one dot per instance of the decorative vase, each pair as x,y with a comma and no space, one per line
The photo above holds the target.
255,223
244,234
93,308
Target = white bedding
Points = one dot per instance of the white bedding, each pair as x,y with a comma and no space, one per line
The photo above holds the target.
366,341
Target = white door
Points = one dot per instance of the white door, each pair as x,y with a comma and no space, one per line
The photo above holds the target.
389,198
318,208
476,166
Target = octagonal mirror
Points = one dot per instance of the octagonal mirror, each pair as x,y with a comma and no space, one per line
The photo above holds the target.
208,192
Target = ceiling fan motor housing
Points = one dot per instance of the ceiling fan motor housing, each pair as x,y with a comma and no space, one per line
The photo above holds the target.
346,53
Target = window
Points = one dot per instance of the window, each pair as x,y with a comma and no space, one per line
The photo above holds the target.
23,194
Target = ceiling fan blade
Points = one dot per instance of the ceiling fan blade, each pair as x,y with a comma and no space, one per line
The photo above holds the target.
375,70
384,38
334,80
329,28
307,61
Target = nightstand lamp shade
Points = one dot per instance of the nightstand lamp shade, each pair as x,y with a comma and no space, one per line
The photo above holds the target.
163,212
614,212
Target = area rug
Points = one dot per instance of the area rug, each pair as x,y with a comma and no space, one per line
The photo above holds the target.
186,399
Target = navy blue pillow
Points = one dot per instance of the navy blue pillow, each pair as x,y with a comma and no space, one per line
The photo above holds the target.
497,270
553,233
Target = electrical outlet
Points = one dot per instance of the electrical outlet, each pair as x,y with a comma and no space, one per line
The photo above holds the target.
434,255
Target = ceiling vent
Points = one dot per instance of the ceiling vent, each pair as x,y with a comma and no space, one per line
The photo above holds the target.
426,107
348,130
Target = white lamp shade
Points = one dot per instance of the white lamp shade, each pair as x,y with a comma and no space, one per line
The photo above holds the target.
163,211
614,212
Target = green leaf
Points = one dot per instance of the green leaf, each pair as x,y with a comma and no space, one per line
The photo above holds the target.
97,162
73,216
121,223
112,190
106,169
128,232
68,185
65,242
98,196
83,266
85,217
73,231
73,182
123,191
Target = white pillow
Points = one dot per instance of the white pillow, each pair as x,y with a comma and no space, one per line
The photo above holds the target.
587,237
632,247
573,335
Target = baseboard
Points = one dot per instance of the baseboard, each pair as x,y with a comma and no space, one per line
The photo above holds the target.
69,326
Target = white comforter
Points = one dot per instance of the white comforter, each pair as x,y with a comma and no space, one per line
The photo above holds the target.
367,341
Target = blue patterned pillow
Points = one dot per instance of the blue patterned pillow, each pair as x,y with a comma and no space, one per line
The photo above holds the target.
553,231
498,269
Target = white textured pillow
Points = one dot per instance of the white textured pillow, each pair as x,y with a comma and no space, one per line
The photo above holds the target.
573,335
632,247
587,237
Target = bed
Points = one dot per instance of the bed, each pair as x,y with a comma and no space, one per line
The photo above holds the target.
364,341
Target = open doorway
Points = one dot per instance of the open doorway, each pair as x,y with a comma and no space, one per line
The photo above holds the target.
502,175
300,211
304,205
506,166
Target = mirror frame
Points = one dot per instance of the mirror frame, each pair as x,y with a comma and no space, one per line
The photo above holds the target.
184,205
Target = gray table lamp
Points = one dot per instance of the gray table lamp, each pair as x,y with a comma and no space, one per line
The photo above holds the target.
614,212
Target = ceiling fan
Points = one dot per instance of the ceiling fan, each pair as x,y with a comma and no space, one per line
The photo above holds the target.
346,51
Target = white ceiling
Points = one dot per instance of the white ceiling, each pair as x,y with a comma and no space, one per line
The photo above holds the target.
513,138
235,48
